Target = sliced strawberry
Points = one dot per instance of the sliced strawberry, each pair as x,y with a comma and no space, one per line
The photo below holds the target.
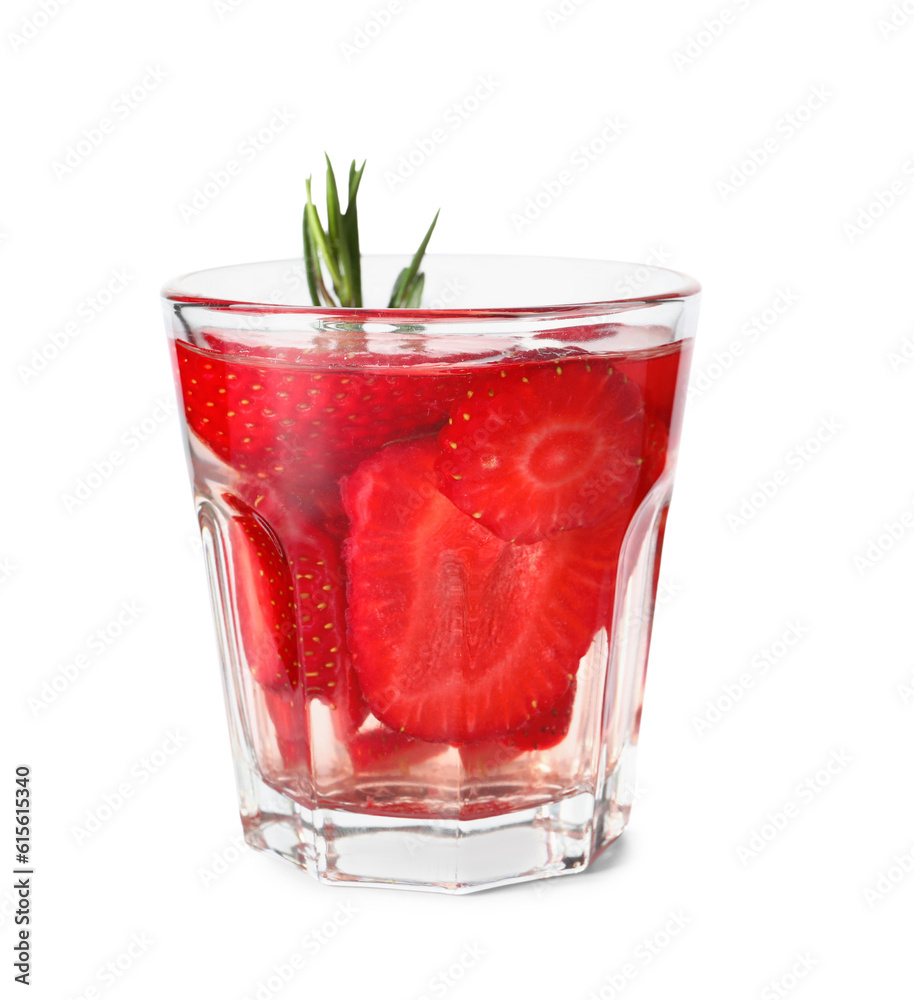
537,449
457,635
299,424
320,600
545,729
327,505
265,600
319,586
383,748
286,505
542,731
289,556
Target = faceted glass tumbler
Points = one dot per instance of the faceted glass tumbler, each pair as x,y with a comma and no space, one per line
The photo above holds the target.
433,538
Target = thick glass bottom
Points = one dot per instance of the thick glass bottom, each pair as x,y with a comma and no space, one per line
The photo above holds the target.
340,847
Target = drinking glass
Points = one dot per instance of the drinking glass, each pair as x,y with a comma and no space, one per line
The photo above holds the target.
432,537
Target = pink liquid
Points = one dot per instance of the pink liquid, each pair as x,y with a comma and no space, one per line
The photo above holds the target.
310,732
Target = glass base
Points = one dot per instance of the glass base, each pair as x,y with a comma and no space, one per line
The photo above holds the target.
341,847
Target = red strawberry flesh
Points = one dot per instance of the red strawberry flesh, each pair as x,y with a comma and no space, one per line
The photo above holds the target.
320,599
538,449
318,586
547,728
542,731
457,635
300,424
265,600
382,748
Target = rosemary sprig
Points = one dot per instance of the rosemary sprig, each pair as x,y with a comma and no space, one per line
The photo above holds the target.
336,248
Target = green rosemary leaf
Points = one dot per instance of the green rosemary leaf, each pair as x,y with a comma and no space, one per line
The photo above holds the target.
401,292
317,240
355,179
414,299
351,233
396,294
312,265
320,241
336,239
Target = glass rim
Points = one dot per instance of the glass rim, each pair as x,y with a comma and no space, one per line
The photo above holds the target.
682,287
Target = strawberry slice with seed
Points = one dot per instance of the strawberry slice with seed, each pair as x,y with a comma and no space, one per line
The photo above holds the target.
383,749
282,421
318,586
457,635
538,449
547,728
542,731
265,600
320,599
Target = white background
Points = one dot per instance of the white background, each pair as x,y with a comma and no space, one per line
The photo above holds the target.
818,403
